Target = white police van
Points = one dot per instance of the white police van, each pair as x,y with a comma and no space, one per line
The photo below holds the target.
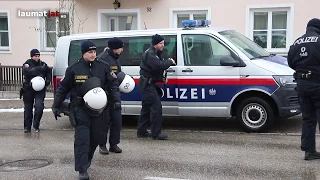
219,73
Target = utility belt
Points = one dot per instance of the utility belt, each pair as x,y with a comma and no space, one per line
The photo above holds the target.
306,75
144,81
76,101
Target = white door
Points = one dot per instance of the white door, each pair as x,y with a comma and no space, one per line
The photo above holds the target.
122,22
205,86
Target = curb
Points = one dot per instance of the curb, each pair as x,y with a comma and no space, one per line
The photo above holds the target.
16,95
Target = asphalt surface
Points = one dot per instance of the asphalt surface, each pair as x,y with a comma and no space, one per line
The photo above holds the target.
197,149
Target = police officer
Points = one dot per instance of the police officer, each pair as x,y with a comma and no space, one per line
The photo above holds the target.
88,119
37,76
113,117
304,58
152,69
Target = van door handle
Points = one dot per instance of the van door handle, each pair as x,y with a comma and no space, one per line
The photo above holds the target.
187,70
171,70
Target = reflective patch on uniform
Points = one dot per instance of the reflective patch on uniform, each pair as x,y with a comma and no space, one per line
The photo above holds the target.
81,77
113,74
26,65
114,67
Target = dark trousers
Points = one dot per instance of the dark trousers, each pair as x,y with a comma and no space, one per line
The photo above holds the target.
113,120
33,99
309,99
151,112
88,132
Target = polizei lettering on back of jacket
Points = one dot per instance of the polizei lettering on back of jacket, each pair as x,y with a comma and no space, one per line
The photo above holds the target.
310,39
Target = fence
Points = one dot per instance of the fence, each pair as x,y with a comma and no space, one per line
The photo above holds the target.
11,78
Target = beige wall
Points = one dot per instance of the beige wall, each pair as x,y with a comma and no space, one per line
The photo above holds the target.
24,37
226,13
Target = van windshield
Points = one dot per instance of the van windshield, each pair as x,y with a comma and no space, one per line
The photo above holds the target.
248,47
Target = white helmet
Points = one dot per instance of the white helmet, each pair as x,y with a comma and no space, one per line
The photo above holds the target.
37,83
95,98
126,82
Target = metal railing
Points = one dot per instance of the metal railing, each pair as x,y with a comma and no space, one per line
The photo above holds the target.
11,78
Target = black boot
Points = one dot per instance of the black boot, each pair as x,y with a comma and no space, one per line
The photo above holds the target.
311,155
161,136
27,130
115,149
103,150
145,135
83,176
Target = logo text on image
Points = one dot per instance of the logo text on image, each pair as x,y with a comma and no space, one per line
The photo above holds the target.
43,13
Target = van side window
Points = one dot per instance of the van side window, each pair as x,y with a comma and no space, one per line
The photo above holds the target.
203,50
133,49
75,49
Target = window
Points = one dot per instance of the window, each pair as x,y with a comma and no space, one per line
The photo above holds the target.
248,47
4,31
203,50
180,15
52,29
121,23
270,27
133,49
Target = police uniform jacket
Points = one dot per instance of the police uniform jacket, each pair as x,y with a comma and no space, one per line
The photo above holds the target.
112,59
78,73
31,69
304,54
153,66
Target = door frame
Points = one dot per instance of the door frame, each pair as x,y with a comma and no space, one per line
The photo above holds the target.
174,11
118,12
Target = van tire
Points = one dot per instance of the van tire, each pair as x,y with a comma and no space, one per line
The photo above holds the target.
255,114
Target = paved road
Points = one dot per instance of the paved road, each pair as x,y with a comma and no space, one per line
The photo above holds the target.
198,149
291,125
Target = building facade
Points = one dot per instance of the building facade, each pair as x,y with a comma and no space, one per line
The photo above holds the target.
273,24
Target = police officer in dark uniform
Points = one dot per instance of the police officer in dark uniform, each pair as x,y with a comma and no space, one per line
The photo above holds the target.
113,117
31,68
152,69
88,129
304,58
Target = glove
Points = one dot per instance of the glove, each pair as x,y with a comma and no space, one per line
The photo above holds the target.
56,112
117,105
47,83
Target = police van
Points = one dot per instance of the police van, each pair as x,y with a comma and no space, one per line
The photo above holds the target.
219,73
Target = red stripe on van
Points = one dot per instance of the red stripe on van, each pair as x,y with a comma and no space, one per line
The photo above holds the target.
227,81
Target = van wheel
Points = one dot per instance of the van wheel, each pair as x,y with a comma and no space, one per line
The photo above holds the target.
255,114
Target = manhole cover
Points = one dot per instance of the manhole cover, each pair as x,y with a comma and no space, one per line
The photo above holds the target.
24,165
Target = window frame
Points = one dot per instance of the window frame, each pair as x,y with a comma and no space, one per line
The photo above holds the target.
103,22
43,33
174,12
6,49
232,52
72,59
289,8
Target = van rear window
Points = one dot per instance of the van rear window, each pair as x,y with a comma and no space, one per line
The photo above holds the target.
132,50
75,49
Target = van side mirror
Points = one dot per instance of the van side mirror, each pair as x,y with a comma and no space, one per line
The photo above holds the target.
228,61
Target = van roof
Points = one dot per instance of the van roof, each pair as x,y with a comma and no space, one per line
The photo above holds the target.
159,31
